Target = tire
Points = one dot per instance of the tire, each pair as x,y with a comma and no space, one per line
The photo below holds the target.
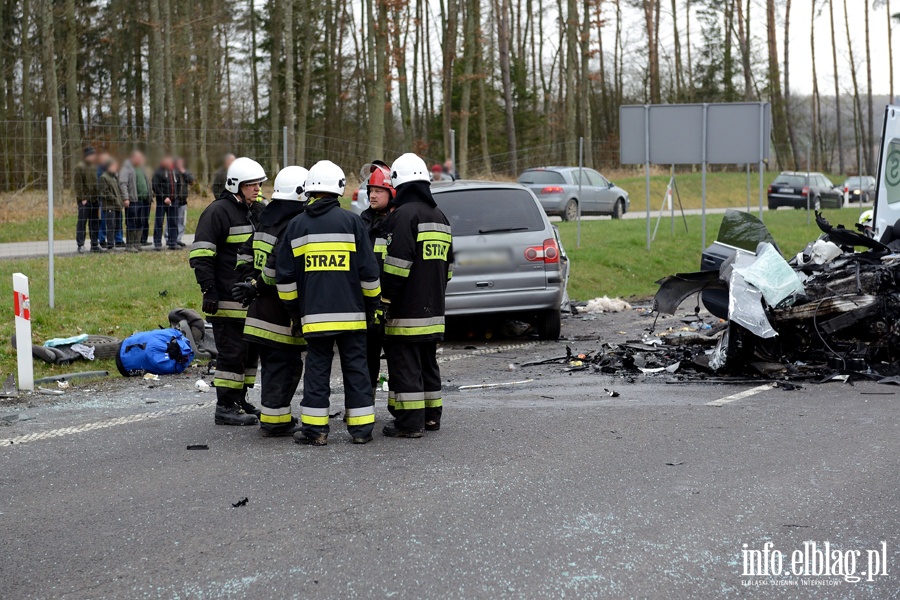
104,346
570,212
618,209
549,324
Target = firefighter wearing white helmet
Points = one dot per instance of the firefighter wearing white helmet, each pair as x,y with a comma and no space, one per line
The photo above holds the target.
223,228
866,222
416,270
268,325
327,276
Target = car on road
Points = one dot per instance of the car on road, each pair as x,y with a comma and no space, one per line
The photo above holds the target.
859,187
557,190
508,258
799,190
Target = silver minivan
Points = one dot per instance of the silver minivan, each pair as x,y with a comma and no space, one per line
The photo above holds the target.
508,257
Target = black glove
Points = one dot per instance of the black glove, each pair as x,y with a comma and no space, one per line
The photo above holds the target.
244,292
210,302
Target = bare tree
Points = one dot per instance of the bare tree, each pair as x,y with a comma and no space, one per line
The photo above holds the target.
783,149
501,8
837,90
787,81
870,141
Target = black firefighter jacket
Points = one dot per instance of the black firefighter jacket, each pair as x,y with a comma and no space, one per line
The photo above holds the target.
268,321
224,226
326,271
417,266
375,222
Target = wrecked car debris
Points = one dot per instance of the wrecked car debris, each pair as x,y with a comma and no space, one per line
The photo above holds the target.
828,310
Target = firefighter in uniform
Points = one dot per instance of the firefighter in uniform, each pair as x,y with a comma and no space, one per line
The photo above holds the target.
381,194
328,278
416,270
268,325
225,225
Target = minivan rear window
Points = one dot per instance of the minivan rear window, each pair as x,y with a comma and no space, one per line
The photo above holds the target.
474,210
540,177
790,180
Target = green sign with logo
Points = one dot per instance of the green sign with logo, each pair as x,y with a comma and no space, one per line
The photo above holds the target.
892,172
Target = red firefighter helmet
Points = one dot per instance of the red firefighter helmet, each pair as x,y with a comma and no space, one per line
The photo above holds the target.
381,177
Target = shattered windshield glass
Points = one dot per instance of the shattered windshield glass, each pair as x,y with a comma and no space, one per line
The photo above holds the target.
743,230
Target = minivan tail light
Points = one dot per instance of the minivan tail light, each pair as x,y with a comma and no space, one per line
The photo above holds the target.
548,253
805,191
552,189
770,189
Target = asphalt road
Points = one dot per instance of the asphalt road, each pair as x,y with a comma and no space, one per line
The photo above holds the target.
547,489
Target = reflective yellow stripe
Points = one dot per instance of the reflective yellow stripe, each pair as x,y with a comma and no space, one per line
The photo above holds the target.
201,252
434,403
414,405
449,275
229,314
363,420
434,236
250,380
288,296
372,293
381,249
334,326
399,271
263,246
414,330
264,418
227,383
311,420
238,239
325,247
275,337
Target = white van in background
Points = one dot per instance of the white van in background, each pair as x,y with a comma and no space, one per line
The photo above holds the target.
887,203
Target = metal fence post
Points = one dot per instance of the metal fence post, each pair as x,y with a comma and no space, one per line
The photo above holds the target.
52,294
647,166
580,181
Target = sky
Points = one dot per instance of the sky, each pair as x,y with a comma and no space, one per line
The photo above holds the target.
801,61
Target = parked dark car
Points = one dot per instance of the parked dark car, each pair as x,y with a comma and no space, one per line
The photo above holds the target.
556,189
797,190
859,187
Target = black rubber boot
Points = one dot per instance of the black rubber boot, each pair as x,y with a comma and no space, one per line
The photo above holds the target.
320,440
432,425
249,408
284,431
394,432
362,439
232,415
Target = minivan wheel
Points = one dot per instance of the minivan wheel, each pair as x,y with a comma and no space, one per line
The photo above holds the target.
618,209
549,324
571,211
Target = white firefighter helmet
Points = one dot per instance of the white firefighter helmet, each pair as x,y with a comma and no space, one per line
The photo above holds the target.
244,170
290,183
409,167
867,217
326,177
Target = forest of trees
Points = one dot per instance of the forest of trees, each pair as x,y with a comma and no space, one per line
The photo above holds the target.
518,80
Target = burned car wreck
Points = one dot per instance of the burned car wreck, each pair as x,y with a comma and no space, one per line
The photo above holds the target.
828,310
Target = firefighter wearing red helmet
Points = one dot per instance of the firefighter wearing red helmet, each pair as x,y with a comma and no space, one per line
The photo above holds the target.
381,195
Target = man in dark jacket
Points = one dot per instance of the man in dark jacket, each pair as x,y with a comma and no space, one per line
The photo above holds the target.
380,194
327,275
268,325
165,190
416,271
111,201
223,228
135,194
85,187
218,182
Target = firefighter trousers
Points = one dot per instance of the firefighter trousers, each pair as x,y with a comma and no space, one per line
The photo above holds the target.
358,401
282,369
374,343
414,382
236,363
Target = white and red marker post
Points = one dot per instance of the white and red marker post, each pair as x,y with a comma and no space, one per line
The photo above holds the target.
22,308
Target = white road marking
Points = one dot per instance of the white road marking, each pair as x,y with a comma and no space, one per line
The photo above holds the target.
43,435
740,395
482,352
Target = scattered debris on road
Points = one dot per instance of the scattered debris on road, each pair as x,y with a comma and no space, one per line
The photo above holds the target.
240,503
198,447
